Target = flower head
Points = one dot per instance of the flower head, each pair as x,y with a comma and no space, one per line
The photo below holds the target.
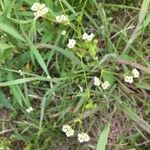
105,85
35,6
88,37
39,10
70,133
128,79
83,137
64,32
62,18
97,81
30,109
68,130
20,72
135,73
71,43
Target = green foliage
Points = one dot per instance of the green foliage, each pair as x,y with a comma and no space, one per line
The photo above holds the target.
103,138
39,70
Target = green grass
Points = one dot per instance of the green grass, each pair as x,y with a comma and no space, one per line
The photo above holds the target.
37,69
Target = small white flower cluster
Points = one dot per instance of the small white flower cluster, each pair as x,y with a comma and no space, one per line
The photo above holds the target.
83,137
97,81
39,10
85,36
105,85
135,73
129,78
71,43
68,130
88,37
20,72
30,109
62,18
64,32
4,35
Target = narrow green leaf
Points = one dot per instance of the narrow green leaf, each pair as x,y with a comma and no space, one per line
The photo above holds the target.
142,15
138,120
66,53
103,138
5,46
10,30
144,10
20,81
39,59
69,7
143,85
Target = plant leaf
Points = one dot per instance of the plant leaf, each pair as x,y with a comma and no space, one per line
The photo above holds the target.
10,30
103,138
39,59
4,101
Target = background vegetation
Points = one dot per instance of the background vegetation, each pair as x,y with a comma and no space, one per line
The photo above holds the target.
37,69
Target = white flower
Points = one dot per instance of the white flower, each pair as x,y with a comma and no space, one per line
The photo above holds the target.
58,19
70,133
71,43
63,32
27,110
39,10
84,36
21,73
96,58
35,6
62,18
135,73
83,137
66,128
42,6
30,109
97,81
105,85
128,79
88,37
44,11
37,15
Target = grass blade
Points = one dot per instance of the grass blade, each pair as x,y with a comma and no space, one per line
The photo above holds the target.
103,138
66,53
10,30
69,7
138,120
142,14
21,81
39,59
